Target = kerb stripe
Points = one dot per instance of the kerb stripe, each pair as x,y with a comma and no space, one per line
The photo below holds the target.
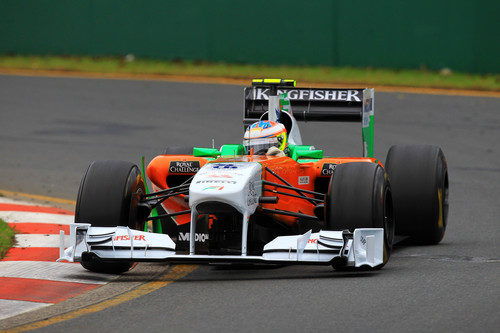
44,291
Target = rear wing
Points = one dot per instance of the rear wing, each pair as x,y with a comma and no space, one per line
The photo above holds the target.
315,104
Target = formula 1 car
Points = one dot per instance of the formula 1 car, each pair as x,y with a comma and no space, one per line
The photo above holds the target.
230,205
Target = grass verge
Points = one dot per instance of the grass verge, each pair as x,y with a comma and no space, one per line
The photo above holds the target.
6,238
317,74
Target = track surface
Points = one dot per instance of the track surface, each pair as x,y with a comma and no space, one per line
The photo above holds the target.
51,128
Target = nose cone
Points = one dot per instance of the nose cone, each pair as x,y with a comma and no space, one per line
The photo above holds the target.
238,184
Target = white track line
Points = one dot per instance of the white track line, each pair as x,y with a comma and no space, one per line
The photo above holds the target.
27,217
36,240
9,308
54,271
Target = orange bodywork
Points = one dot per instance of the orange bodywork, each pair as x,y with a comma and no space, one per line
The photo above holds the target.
301,175
158,170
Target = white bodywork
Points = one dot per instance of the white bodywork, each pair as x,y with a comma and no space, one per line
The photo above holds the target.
237,184
365,248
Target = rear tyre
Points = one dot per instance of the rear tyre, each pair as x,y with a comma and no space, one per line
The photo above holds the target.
359,196
108,196
419,180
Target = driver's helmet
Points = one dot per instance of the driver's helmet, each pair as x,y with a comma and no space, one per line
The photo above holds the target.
263,135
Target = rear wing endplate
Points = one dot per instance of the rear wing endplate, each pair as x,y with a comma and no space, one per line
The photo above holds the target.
317,104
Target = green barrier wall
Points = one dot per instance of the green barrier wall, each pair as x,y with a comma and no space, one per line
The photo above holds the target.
459,34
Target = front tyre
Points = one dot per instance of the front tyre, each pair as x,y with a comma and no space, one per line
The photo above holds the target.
108,196
359,196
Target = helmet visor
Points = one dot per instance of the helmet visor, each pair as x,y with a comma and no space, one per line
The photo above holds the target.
261,146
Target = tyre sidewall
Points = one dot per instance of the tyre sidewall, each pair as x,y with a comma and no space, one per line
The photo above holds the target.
419,181
108,196
109,193
358,197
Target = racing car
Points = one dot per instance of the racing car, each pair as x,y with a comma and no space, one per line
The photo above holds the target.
269,200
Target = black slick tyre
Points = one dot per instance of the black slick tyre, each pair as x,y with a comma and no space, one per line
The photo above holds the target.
108,196
359,196
419,180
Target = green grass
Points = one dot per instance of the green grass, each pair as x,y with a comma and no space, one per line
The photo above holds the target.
333,75
6,238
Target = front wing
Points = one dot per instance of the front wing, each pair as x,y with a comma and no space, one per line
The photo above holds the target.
363,247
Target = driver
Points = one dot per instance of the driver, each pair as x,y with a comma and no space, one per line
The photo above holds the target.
266,138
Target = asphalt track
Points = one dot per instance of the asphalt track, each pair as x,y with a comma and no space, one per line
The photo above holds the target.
51,128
